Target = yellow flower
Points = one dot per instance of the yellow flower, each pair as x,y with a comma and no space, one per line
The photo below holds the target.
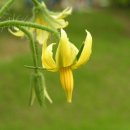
67,58
16,32
50,19
46,18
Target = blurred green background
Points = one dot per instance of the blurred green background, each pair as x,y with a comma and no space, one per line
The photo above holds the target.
101,99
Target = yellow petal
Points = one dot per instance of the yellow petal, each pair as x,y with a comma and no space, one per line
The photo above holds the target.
56,23
53,19
85,53
16,32
47,58
41,20
66,77
42,36
66,52
62,23
63,14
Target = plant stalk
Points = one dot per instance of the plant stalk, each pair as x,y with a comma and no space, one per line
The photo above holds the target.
6,7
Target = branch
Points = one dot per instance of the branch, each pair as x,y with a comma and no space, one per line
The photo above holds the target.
32,46
28,24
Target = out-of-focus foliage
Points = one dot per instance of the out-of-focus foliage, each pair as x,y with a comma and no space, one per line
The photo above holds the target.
19,7
121,3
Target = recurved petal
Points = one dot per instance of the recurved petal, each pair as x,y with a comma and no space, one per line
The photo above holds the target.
16,32
63,53
85,52
47,58
59,18
62,23
42,36
57,23
67,11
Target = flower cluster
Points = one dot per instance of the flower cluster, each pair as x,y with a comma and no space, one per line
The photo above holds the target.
67,56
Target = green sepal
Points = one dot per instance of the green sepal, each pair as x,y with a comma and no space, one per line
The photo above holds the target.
80,51
32,91
39,88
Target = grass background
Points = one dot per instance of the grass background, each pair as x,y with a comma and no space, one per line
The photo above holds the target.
102,87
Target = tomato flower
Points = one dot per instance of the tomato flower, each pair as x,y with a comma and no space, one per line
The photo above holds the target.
67,58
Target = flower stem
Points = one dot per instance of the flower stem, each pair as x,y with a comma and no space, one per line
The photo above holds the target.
6,7
32,46
28,24
38,86
35,2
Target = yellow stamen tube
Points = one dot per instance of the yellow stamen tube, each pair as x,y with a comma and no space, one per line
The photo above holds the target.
66,77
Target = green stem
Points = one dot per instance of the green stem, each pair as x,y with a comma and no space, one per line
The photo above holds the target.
6,7
35,2
39,68
33,67
32,46
37,50
28,24
37,79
